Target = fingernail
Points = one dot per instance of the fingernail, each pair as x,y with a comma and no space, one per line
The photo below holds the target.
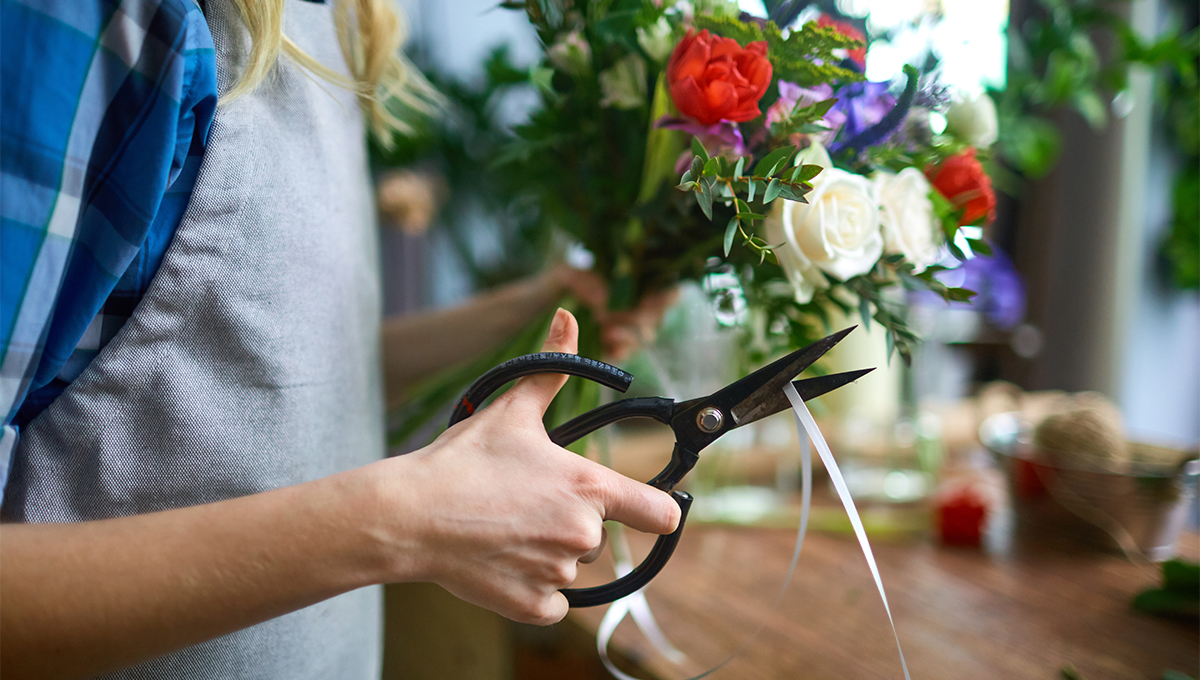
558,326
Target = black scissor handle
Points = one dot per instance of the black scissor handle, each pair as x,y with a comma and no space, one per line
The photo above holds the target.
656,408
637,579
651,407
541,362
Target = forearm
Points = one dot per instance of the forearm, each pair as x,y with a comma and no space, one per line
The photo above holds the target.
418,345
80,599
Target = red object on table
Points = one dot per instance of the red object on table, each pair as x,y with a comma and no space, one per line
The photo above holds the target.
961,512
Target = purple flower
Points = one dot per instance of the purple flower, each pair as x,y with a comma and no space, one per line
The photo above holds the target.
1001,292
863,105
873,115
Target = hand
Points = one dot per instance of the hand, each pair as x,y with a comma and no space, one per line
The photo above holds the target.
500,516
621,332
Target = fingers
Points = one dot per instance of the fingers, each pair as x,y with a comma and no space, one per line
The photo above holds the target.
538,390
594,553
639,506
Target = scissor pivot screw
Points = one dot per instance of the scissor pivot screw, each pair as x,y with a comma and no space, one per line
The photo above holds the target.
709,419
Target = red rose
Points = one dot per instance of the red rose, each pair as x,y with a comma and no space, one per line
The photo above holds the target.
961,179
714,79
859,55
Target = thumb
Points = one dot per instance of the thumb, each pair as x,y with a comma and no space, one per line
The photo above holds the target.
539,390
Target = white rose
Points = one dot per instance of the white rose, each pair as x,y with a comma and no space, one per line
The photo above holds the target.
973,120
836,232
910,226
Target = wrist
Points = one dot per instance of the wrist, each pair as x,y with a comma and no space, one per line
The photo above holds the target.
377,516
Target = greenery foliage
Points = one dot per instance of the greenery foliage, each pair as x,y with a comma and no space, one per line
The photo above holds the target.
1077,55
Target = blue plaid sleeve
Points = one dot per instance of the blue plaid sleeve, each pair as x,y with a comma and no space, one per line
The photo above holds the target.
104,113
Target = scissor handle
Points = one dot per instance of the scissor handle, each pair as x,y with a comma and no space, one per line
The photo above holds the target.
651,407
656,408
541,362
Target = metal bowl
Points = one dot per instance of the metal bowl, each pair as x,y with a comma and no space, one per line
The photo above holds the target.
1139,506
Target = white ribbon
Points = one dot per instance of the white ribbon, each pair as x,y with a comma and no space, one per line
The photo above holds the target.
805,419
636,604
633,604
637,601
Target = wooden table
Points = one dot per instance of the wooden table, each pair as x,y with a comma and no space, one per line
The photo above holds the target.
963,614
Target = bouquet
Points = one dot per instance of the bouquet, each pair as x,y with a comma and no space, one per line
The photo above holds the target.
677,141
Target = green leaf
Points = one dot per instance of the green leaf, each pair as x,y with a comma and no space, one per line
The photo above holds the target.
864,311
748,216
795,192
771,161
704,198
687,186
730,231
750,188
980,247
1092,108
804,173
741,164
712,168
699,150
821,108
540,78
1182,576
960,294
772,190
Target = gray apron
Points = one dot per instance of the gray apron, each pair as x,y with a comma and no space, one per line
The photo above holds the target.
252,362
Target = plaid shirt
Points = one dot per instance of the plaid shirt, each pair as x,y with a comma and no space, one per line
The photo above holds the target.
105,107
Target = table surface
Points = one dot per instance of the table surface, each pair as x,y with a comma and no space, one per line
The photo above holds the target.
1014,612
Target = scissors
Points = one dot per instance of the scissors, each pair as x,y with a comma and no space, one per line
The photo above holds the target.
696,424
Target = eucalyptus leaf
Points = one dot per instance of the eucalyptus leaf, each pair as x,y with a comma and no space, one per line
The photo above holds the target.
699,150
750,188
806,172
712,168
730,231
864,312
773,160
705,199
772,190
741,165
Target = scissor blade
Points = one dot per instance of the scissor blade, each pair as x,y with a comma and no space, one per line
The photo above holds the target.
778,374
809,388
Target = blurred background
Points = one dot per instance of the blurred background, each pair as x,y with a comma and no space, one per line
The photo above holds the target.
1104,308
1089,305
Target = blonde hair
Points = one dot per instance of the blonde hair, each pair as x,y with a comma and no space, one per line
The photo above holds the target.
370,33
